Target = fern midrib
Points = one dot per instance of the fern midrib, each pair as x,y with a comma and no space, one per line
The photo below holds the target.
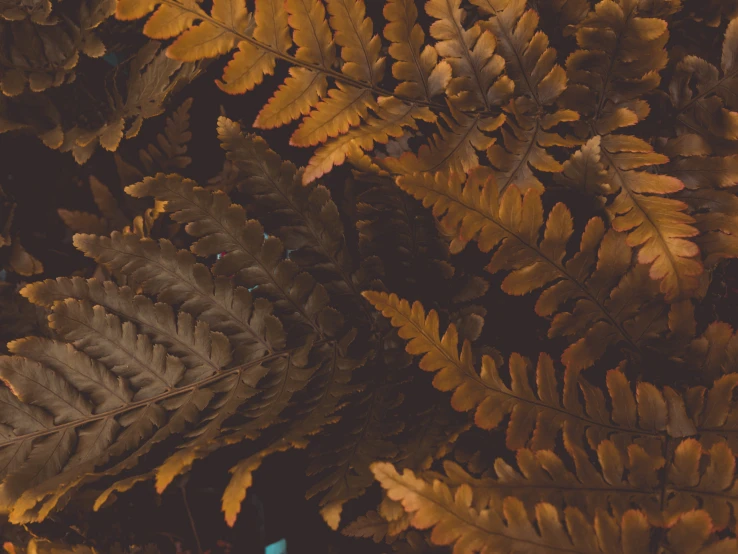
466,53
513,46
338,76
562,269
194,290
524,158
458,145
509,393
664,247
148,401
409,26
369,67
613,60
471,523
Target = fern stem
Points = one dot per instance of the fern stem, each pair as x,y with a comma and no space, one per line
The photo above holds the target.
192,520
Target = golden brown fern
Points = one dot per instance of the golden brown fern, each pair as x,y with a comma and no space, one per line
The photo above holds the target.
458,517
468,73
539,81
607,88
613,304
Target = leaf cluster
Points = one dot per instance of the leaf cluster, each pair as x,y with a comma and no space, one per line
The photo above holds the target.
580,154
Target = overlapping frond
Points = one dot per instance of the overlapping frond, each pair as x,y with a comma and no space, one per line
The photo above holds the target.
221,226
621,51
102,398
611,301
417,68
458,518
535,418
539,81
689,478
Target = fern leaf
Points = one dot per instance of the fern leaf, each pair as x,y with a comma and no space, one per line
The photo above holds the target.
344,108
256,331
305,218
172,144
359,48
312,34
604,83
606,86
417,68
304,87
530,63
212,37
222,227
622,480
455,519
93,388
526,136
250,64
370,525
393,117
540,416
658,225
453,148
294,98
82,222
477,71
510,225
711,106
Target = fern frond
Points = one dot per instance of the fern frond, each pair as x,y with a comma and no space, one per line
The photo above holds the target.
360,49
170,151
222,227
343,108
530,62
535,418
658,225
109,397
224,307
453,148
704,98
250,64
392,121
304,87
457,517
455,520
305,218
416,65
477,78
608,301
606,86
664,489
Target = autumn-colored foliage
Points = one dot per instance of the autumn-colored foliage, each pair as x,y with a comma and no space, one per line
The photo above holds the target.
465,156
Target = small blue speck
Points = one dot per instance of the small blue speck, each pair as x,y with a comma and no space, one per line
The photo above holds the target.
279,547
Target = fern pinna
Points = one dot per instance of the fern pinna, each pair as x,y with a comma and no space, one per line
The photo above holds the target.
480,127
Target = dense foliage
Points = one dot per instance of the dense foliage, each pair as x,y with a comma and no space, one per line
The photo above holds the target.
532,201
